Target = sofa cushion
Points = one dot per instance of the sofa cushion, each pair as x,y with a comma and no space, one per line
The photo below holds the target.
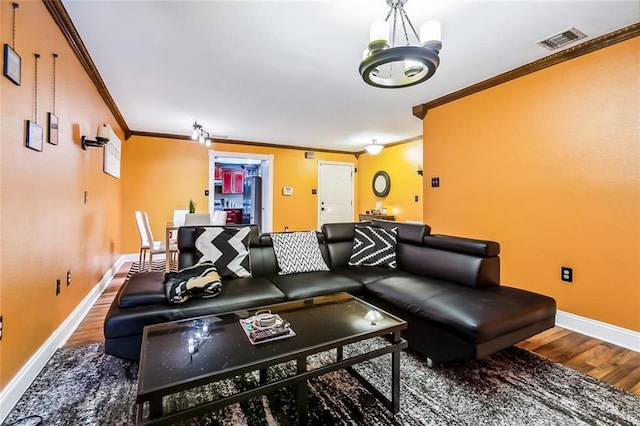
412,233
239,293
310,284
227,248
298,252
368,274
374,246
197,281
455,268
145,288
475,315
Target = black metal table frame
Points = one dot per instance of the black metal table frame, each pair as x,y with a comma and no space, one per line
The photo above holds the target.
299,379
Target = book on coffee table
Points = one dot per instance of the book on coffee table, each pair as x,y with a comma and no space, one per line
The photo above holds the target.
266,327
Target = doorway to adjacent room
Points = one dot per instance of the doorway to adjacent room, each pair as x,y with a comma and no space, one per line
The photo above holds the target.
242,185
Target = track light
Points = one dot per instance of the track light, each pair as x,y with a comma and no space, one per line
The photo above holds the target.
200,134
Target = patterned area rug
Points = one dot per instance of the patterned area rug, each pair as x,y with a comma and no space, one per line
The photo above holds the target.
83,386
156,266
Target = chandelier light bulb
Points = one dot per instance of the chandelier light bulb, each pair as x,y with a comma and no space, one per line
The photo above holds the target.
379,32
430,31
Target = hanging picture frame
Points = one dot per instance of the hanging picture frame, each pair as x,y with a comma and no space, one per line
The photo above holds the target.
34,136
12,64
52,136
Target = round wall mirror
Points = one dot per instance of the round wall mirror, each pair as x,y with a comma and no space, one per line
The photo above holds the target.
381,184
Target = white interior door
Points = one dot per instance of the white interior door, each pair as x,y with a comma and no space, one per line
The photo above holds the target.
335,192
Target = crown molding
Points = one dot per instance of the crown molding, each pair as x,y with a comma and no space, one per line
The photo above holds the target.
61,17
239,142
420,111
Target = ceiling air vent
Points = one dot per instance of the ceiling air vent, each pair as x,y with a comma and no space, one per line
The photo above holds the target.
562,39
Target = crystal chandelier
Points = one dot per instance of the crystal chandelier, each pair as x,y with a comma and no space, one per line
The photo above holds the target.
389,66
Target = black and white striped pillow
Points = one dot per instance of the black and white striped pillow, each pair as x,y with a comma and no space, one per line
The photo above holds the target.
373,246
227,248
298,252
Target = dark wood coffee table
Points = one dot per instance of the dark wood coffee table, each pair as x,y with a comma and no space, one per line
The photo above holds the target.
320,324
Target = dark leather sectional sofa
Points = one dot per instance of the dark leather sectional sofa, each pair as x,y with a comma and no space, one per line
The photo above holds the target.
447,289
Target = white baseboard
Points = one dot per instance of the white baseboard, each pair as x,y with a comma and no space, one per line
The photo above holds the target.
132,257
11,393
600,330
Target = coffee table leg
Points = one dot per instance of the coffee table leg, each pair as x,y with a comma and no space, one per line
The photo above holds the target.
395,376
155,407
302,407
339,353
263,376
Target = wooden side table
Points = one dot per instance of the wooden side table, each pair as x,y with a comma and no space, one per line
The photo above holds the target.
364,217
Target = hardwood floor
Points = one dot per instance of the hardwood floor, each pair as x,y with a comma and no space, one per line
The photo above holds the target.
604,361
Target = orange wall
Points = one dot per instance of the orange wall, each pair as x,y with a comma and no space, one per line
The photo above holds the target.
549,166
401,163
46,229
161,175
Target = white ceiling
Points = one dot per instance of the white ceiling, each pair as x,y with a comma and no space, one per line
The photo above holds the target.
286,72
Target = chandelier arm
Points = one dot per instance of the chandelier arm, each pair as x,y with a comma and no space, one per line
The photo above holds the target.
393,31
404,26
388,14
413,29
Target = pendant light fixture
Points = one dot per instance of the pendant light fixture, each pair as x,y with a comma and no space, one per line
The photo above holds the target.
374,148
387,65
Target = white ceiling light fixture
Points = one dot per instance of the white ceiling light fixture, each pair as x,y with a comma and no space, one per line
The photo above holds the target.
374,148
200,134
389,66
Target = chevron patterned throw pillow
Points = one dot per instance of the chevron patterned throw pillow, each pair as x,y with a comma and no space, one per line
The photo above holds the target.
298,252
373,246
227,248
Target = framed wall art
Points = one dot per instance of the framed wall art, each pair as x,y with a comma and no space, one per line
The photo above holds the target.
112,153
34,136
52,137
12,64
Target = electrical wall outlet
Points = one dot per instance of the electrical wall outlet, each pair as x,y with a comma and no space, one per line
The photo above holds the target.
415,198
57,286
1,326
68,278
566,274
435,182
